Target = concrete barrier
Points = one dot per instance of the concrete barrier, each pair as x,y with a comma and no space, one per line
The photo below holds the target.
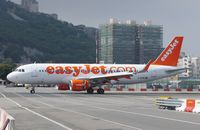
119,89
7,122
131,89
189,89
168,103
190,105
166,89
143,89
197,107
155,89
183,106
178,89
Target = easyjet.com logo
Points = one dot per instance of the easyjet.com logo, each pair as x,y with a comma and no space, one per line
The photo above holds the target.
170,50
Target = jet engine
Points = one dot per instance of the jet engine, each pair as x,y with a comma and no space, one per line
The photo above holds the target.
79,85
63,87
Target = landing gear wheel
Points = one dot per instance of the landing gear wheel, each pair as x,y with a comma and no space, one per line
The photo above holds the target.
32,91
100,91
90,90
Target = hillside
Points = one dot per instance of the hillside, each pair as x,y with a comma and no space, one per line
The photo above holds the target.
28,37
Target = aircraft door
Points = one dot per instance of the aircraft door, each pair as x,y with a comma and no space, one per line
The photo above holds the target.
34,72
36,77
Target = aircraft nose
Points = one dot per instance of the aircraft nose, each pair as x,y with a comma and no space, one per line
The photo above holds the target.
11,77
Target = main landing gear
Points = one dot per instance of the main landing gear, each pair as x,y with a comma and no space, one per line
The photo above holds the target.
100,91
32,91
91,91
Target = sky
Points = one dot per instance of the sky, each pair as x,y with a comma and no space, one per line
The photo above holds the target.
178,17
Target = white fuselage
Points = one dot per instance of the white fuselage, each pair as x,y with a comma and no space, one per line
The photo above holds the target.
64,73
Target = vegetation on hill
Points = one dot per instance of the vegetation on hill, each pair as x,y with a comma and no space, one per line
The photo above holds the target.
28,37
5,68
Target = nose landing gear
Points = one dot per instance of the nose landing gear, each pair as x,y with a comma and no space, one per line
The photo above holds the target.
32,91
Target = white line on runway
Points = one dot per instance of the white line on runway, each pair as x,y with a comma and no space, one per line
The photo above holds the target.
19,105
84,114
146,115
104,100
140,114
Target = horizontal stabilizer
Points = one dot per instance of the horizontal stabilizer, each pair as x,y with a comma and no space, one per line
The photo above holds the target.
177,70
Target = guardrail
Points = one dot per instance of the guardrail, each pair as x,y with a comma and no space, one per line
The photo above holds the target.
168,103
7,122
184,105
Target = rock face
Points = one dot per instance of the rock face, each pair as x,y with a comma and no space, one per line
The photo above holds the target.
28,37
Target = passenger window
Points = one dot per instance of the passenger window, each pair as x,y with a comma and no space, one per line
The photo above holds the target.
22,70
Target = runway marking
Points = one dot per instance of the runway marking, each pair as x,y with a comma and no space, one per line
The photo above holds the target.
84,114
100,101
147,115
140,114
19,105
111,101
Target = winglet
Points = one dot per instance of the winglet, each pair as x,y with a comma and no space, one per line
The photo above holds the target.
170,54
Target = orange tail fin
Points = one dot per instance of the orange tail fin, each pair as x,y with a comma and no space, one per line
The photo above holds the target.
170,54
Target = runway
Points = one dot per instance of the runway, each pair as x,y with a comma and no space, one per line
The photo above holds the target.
50,109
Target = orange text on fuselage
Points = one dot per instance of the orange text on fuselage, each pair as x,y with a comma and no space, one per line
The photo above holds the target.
76,70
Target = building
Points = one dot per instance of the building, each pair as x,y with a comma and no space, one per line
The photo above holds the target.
117,42
185,62
30,5
151,38
195,66
129,43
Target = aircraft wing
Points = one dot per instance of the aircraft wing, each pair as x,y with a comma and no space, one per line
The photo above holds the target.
111,76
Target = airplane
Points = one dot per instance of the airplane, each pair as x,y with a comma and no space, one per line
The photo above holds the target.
84,77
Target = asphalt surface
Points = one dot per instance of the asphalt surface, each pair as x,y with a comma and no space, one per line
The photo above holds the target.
50,109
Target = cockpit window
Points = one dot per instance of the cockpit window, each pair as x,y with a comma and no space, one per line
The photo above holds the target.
20,70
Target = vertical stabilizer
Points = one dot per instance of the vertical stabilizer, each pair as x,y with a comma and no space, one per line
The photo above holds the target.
170,54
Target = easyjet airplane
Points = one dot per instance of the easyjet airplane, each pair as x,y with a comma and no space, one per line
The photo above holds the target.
81,77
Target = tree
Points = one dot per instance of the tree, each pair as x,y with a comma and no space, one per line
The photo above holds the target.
5,69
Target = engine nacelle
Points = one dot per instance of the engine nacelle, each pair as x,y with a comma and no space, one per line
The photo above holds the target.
79,85
63,87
